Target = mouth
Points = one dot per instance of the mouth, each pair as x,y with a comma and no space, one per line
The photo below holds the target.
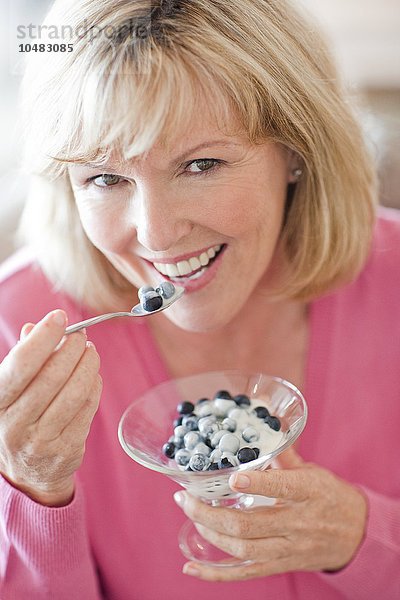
192,268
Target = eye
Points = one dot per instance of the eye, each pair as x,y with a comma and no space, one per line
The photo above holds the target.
106,180
203,165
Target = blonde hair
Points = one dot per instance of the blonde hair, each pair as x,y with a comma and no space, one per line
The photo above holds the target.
260,58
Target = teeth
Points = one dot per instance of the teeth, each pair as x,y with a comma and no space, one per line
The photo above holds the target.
161,267
204,260
172,270
185,267
194,263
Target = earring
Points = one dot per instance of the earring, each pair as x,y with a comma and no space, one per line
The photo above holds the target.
297,173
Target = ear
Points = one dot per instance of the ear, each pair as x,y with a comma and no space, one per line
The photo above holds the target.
295,167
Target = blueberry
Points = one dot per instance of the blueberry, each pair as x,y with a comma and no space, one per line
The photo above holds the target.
213,466
207,426
202,448
202,400
232,458
166,289
144,289
226,463
190,422
246,454
177,421
182,457
208,443
229,424
185,408
191,439
205,409
199,462
261,412
216,455
236,413
151,301
229,443
222,406
215,438
242,400
273,422
169,449
250,434
257,451
178,442
180,431
223,394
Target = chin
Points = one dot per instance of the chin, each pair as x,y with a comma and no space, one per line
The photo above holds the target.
197,321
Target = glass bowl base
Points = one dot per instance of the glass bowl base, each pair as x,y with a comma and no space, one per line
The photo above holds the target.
195,547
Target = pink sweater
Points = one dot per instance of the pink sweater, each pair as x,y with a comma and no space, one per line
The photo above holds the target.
118,537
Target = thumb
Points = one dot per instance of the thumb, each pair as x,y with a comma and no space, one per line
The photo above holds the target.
289,459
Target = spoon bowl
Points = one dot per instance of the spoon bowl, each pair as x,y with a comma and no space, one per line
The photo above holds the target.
136,311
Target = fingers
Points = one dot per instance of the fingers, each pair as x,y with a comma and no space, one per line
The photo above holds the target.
243,524
72,396
82,421
287,484
57,370
246,549
238,573
49,393
233,573
26,359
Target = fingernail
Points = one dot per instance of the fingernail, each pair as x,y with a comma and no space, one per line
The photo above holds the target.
179,498
26,329
59,317
239,481
189,569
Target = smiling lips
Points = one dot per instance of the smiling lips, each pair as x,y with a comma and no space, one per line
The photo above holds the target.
190,268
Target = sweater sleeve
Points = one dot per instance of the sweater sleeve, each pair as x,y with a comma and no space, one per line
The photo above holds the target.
44,551
374,572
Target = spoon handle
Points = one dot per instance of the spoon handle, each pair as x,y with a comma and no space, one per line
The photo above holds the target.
137,311
94,320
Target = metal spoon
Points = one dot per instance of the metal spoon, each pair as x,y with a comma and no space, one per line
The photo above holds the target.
136,311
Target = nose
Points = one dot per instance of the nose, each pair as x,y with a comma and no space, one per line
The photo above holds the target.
159,220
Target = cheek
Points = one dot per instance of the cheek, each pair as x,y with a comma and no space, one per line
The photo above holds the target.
245,212
254,200
106,228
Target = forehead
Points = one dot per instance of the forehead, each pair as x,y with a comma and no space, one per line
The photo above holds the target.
205,122
207,119
187,116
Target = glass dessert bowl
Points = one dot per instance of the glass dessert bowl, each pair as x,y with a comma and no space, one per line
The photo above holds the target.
147,427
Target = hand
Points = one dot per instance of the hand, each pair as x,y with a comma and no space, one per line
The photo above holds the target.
49,392
317,523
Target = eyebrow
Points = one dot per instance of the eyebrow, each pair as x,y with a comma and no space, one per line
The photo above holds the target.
222,143
178,159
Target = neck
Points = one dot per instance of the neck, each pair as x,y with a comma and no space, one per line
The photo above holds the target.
267,336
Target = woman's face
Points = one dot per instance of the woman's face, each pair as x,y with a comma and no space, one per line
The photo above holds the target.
204,211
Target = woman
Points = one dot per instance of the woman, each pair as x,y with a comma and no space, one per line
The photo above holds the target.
207,143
